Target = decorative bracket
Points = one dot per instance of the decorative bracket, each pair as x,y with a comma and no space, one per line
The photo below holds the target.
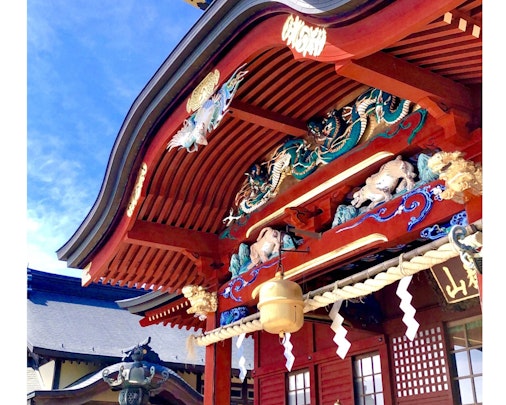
463,178
201,301
309,234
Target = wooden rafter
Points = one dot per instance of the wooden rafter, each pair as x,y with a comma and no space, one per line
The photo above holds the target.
389,73
267,119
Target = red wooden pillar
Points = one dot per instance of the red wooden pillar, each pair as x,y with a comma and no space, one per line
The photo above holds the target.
218,367
474,212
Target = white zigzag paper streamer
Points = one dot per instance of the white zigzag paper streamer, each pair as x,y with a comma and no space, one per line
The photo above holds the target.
290,358
242,359
408,309
343,344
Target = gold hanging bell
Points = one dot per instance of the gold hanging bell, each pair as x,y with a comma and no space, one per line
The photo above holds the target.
281,306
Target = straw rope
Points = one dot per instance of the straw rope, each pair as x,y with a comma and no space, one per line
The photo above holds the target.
374,279
391,275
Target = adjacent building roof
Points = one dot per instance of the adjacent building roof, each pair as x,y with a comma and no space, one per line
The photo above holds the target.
68,321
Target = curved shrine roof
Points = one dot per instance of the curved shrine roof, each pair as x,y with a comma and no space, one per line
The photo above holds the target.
159,220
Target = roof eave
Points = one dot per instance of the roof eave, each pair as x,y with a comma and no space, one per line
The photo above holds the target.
169,87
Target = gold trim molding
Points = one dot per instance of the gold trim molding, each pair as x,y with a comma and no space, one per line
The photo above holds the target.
320,189
357,244
136,193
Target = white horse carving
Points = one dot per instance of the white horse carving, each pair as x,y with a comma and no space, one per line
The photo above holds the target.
380,186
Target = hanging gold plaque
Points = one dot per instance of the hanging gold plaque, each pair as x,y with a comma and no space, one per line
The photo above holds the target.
455,282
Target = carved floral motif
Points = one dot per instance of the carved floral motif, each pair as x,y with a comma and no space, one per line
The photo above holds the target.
302,38
203,91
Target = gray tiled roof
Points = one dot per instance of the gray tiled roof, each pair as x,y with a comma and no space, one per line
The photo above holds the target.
68,320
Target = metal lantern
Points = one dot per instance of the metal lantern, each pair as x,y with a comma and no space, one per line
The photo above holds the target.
281,306
133,396
135,380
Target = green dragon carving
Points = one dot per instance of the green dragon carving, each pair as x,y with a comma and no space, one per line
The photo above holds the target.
331,137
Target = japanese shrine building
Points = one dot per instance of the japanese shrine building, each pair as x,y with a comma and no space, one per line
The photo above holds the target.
308,173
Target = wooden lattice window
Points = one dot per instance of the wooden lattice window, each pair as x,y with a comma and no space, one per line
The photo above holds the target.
367,380
466,351
420,365
299,388
236,392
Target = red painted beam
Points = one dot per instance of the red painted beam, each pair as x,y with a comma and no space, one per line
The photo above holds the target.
268,119
360,236
167,237
405,80
351,169
382,29
217,373
201,247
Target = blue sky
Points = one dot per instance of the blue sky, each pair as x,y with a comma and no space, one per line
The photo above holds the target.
87,60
